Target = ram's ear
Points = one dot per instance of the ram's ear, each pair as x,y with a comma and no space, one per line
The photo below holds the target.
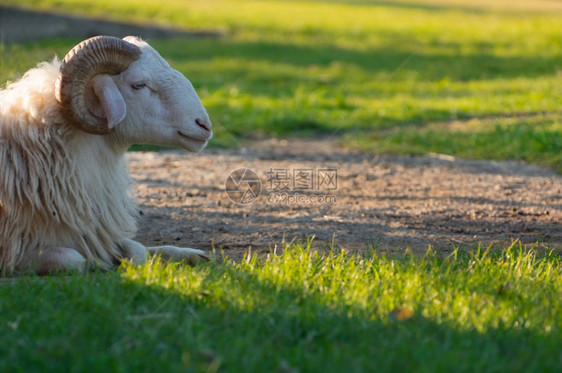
106,101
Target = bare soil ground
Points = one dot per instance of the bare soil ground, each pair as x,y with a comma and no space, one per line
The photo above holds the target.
398,201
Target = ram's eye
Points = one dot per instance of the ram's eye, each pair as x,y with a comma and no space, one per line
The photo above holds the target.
139,85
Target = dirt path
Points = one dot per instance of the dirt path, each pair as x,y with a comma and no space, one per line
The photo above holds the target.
401,201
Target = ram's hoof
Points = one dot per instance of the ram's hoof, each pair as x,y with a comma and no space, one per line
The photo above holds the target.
179,254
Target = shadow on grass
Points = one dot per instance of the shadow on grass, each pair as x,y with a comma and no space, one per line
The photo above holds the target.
25,25
100,322
406,5
430,61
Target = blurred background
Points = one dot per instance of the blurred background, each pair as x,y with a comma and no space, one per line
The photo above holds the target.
471,78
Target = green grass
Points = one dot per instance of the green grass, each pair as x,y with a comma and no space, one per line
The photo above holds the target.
298,311
473,79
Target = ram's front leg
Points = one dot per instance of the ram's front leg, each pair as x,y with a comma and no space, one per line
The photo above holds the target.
54,260
134,251
179,254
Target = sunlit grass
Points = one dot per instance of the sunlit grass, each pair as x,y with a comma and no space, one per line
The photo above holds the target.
303,310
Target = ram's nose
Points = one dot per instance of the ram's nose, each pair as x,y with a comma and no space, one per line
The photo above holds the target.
204,123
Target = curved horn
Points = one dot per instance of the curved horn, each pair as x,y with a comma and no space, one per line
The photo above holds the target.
97,55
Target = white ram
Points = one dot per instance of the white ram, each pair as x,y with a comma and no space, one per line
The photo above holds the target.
64,128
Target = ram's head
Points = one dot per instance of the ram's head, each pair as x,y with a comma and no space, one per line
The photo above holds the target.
123,87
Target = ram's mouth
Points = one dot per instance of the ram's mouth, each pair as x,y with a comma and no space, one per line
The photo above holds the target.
197,139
